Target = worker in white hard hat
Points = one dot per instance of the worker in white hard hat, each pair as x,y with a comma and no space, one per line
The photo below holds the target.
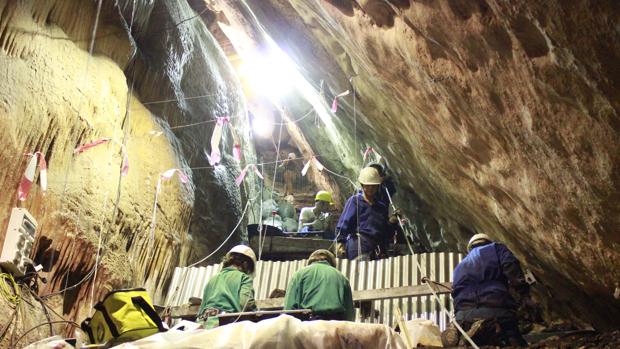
482,292
365,225
231,290
316,218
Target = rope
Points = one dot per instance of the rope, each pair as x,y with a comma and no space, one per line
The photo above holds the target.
14,344
431,288
92,289
214,120
273,186
185,271
9,289
227,238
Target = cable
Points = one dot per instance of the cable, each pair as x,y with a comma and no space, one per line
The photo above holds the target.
215,120
426,281
228,237
14,344
273,185
86,277
185,271
6,284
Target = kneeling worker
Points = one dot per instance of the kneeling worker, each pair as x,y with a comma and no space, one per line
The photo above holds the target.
481,291
316,218
231,290
322,288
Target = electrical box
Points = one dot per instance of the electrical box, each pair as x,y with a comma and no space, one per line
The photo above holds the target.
18,241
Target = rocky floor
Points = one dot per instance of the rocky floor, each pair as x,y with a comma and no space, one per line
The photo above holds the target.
607,340
577,340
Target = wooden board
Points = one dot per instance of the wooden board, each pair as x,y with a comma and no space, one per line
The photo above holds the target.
190,311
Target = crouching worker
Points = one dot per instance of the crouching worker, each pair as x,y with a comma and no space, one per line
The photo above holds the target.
322,288
483,303
316,218
231,290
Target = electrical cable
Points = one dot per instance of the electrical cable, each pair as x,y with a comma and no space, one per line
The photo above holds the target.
425,279
273,183
228,237
6,284
84,279
186,269
43,324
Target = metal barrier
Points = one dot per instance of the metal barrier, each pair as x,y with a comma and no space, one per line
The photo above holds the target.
380,274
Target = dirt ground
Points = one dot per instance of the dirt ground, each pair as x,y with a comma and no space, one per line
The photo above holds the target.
607,340
578,340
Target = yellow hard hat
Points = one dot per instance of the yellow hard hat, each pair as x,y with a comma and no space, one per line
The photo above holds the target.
370,176
324,195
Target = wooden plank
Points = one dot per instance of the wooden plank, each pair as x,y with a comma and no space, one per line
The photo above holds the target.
190,311
400,292
284,244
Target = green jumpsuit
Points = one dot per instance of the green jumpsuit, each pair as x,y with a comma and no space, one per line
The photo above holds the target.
322,288
229,291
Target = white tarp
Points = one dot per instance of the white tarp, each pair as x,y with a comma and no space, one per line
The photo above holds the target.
283,332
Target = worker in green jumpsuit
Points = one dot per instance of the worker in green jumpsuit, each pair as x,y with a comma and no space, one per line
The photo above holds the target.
231,290
322,288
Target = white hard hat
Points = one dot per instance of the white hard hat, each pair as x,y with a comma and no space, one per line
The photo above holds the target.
370,176
244,250
476,239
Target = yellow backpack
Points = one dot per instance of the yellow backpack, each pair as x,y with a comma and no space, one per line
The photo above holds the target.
123,316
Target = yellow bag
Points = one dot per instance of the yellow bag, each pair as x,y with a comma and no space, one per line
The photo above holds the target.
123,316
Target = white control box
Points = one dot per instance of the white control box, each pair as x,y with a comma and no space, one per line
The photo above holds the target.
18,240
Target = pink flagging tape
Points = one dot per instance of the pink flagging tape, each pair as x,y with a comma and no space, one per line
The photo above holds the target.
87,146
166,175
245,171
216,155
368,151
319,166
237,152
169,173
28,177
335,102
306,167
313,161
125,168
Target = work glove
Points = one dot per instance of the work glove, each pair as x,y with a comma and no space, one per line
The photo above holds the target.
395,217
529,308
341,250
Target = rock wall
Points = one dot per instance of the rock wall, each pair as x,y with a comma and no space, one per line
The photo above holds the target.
94,224
55,97
501,117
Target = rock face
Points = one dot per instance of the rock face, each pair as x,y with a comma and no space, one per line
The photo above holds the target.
502,117
95,224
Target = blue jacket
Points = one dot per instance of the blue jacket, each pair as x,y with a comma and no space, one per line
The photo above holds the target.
483,277
373,219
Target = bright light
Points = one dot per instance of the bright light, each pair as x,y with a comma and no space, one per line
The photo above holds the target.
262,124
269,73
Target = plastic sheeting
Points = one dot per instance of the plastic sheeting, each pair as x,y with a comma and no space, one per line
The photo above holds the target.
283,332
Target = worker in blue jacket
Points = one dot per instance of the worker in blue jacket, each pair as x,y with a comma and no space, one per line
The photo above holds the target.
481,292
365,224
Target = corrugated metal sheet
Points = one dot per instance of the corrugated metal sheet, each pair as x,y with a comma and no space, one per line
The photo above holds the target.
384,273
